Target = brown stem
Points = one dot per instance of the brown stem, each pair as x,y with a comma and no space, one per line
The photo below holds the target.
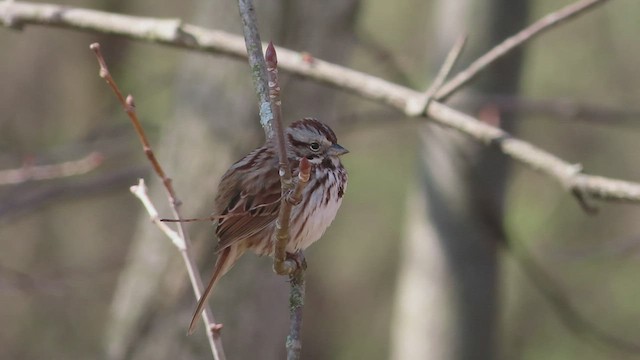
181,241
280,265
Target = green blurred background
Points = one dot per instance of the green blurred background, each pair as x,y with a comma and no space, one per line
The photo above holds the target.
67,245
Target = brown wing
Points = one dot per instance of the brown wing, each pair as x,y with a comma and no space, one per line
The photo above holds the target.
248,197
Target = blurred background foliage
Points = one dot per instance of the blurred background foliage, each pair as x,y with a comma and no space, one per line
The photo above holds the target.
66,242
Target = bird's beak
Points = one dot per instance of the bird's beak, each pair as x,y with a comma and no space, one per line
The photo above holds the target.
337,150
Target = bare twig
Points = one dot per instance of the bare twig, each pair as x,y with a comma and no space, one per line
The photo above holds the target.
447,66
181,241
29,172
280,265
271,59
443,73
175,33
510,43
130,108
140,191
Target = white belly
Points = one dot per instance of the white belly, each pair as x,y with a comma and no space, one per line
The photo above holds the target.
320,215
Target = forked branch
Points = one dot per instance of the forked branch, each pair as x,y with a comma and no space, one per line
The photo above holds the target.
537,28
179,239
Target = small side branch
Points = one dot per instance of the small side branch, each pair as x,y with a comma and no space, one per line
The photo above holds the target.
29,172
130,108
179,238
537,28
141,192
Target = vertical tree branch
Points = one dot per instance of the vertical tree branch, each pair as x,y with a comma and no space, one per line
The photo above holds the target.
296,305
271,119
257,64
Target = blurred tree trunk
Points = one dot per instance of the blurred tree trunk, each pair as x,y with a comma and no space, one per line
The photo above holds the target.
447,297
216,122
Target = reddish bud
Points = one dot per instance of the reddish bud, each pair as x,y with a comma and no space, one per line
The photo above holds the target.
490,114
216,328
305,170
270,55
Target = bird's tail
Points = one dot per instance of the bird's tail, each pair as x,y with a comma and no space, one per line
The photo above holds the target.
226,258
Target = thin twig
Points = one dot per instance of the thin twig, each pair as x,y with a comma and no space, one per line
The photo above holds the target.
29,172
175,33
183,245
271,59
510,43
443,73
280,265
140,191
130,108
447,66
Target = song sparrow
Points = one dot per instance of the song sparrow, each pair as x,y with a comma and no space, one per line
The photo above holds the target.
248,198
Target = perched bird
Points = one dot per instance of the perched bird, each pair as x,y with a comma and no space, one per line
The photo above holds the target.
248,198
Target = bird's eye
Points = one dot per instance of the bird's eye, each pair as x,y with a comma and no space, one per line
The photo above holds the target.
314,146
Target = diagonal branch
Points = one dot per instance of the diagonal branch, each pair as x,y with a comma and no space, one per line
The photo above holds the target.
181,238
408,101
